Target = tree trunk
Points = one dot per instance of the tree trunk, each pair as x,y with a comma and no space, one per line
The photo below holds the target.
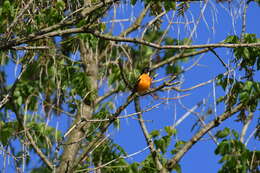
72,146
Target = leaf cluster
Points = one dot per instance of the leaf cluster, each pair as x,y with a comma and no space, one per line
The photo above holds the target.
235,156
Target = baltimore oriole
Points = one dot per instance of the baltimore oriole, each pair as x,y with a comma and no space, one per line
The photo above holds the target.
143,83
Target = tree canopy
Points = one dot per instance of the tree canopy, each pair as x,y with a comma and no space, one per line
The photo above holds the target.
68,68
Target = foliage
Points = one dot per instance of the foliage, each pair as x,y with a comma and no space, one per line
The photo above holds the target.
236,157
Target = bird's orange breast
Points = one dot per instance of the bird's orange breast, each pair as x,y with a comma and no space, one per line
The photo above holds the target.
144,83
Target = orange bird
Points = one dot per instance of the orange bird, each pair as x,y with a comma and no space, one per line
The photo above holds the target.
143,83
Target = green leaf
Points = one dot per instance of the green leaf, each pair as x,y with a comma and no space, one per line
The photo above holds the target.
116,123
155,133
60,5
223,148
41,170
235,134
177,168
7,130
134,167
178,145
167,140
160,144
19,100
246,53
220,99
170,130
248,85
169,5
223,133
244,97
232,39
133,2
6,6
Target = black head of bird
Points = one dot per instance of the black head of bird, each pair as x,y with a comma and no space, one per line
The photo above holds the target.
146,70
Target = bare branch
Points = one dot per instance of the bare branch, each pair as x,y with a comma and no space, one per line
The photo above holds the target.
209,132
137,22
244,20
251,135
185,115
148,139
220,59
195,86
245,126
106,95
30,48
152,22
173,161
201,119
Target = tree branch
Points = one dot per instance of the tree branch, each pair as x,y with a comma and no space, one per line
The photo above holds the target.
158,46
20,120
220,59
137,22
86,111
17,18
31,48
38,150
149,141
177,57
245,126
112,118
11,90
173,161
49,31
106,95
85,29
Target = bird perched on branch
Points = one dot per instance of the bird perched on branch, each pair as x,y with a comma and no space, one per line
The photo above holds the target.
143,83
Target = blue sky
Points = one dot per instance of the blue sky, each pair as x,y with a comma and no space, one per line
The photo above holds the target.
201,157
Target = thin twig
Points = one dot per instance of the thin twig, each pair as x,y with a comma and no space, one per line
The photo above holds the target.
185,115
114,160
244,20
195,86
20,14
251,135
220,59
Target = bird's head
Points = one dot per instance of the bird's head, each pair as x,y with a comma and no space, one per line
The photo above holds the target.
146,70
